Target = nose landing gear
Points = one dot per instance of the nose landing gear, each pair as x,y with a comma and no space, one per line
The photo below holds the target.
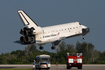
83,38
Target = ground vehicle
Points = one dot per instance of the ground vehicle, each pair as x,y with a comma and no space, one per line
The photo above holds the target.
74,60
42,61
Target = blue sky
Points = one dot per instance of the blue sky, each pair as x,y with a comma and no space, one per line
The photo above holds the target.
90,13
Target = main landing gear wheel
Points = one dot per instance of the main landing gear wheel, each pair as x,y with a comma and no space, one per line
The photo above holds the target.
41,48
53,47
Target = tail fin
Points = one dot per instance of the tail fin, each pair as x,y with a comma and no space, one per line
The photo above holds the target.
27,21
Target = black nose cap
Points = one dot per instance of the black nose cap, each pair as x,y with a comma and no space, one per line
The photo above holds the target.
88,30
85,31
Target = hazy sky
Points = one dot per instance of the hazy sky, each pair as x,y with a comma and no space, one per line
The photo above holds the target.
90,13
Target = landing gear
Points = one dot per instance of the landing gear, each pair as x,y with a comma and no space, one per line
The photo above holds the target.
53,47
41,48
83,38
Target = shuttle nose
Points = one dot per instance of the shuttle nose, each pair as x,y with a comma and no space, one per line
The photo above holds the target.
88,30
85,31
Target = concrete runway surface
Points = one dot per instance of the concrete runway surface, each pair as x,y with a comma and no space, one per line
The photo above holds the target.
60,67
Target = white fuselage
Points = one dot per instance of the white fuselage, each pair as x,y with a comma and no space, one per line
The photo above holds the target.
54,33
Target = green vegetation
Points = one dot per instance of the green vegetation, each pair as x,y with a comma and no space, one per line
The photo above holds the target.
90,55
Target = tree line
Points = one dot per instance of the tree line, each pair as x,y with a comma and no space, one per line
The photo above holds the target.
90,55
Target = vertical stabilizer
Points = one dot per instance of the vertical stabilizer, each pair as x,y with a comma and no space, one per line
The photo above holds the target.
27,21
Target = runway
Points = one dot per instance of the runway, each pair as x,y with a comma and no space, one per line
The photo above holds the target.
60,67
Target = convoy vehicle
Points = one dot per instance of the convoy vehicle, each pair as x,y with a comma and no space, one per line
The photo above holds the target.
42,62
74,60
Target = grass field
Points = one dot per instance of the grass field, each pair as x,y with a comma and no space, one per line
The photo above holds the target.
16,69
